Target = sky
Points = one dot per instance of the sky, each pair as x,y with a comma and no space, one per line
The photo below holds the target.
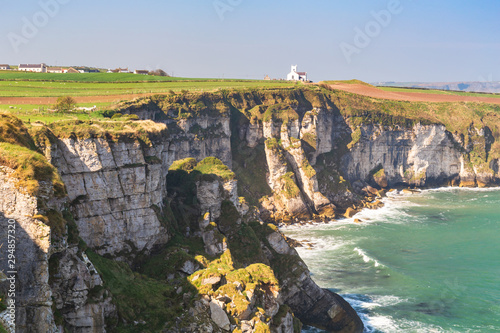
369,40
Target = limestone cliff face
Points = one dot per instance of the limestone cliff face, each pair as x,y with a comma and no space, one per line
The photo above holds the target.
200,137
78,293
419,156
113,188
195,131
18,212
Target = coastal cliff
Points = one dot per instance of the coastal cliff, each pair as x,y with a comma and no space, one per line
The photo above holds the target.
174,201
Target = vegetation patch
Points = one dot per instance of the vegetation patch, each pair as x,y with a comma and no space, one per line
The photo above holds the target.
308,169
272,144
144,131
138,297
280,112
310,139
30,168
214,166
245,246
355,137
187,164
56,222
354,81
289,187
13,131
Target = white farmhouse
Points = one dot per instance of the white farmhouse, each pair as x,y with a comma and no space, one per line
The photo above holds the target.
4,67
39,68
296,76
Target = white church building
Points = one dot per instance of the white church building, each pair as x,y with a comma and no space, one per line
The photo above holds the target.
296,76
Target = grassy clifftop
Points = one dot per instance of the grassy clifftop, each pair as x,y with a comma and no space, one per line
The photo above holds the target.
18,152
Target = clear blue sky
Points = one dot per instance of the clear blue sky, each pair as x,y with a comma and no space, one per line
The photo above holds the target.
425,40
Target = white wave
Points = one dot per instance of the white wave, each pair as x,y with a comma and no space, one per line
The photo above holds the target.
387,300
366,258
372,322
376,322
464,189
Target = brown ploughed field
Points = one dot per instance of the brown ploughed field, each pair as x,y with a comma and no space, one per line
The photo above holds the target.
374,92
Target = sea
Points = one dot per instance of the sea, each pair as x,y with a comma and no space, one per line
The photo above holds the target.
425,262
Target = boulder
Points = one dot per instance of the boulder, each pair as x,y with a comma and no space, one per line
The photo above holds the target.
350,212
219,316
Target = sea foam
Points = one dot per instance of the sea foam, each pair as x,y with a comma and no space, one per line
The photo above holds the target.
367,258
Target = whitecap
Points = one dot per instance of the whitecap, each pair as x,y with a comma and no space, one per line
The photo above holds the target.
465,189
367,258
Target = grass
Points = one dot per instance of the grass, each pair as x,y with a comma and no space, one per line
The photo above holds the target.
187,164
440,92
281,112
214,166
18,152
308,169
354,81
82,88
290,188
137,297
30,113
102,77
12,130
146,131
30,168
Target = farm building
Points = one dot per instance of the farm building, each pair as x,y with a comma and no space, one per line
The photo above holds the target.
296,76
141,72
4,67
72,70
39,68
118,70
54,70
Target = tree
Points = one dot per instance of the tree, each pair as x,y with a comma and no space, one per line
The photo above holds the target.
65,104
158,72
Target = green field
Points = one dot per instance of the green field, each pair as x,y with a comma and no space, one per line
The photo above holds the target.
56,89
105,77
35,112
34,85
92,77
440,92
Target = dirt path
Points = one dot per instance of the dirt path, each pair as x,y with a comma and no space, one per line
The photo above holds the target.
374,92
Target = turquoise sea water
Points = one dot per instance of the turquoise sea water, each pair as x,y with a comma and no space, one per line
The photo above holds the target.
426,262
